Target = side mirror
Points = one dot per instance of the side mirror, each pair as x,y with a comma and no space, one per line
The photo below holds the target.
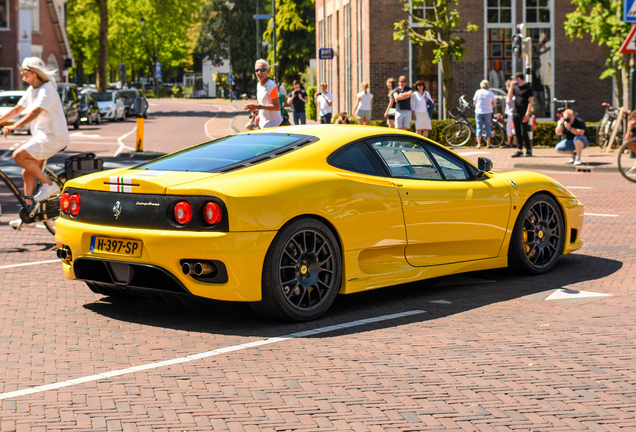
483,165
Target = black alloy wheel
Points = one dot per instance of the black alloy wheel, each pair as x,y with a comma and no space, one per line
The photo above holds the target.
302,272
538,236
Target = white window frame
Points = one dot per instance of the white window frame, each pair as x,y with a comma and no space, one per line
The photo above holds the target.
7,8
549,25
487,26
513,5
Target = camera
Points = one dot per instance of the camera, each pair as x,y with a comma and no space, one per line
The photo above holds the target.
566,120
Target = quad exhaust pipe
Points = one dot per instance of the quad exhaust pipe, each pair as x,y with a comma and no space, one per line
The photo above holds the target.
195,268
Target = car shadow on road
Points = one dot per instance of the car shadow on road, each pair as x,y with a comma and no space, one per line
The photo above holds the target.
451,295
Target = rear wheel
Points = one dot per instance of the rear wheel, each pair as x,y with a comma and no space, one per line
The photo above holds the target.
627,160
302,272
538,236
457,134
498,134
76,125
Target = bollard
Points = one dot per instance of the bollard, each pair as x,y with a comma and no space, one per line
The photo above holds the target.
140,135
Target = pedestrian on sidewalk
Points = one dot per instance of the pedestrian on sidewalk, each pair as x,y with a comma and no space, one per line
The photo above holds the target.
524,101
324,101
389,114
364,105
484,101
297,99
403,113
421,118
509,111
268,105
575,136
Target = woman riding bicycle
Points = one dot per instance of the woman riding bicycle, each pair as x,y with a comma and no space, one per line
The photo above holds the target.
49,129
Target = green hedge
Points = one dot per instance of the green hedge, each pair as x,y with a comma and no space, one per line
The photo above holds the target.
310,106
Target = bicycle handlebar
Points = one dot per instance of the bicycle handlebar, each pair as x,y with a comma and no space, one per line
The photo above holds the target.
571,101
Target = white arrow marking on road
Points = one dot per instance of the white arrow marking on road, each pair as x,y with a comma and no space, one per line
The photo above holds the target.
564,294
199,356
121,144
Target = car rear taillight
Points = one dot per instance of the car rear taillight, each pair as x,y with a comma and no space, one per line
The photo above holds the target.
212,213
64,202
74,204
183,212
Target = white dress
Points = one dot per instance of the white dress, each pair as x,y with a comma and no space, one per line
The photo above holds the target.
418,102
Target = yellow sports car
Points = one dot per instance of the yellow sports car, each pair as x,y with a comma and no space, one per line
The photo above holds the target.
287,218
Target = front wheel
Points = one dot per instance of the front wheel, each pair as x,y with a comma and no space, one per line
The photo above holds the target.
76,125
457,134
537,237
302,272
498,134
627,160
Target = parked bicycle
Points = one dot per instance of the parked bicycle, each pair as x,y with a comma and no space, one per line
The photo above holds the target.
461,131
606,126
627,160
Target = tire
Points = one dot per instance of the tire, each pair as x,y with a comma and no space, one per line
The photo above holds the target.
90,119
626,163
601,135
457,134
498,134
123,116
76,125
99,119
537,237
302,272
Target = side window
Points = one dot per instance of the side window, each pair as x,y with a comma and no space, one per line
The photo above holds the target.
452,168
356,158
406,158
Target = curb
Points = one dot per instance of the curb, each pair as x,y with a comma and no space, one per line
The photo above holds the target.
567,168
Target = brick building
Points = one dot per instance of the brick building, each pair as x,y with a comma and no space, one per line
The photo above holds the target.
31,28
361,34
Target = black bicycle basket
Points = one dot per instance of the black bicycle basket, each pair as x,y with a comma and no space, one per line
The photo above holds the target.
455,112
82,164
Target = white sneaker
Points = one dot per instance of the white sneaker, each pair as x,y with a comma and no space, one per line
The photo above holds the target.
17,224
571,161
46,191
577,161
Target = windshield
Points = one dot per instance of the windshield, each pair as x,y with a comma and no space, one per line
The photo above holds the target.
9,101
225,152
103,96
128,96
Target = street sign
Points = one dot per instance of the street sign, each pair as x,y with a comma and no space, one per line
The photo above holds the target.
325,53
140,105
629,46
264,16
629,11
158,70
230,79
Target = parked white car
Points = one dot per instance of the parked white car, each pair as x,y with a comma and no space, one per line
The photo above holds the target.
111,106
9,99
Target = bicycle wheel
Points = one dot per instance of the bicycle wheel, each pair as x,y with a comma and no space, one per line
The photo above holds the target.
457,134
627,160
498,134
601,131
50,206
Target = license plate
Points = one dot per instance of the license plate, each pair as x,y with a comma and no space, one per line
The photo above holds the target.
115,246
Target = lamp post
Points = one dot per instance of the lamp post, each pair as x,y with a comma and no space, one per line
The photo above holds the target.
230,6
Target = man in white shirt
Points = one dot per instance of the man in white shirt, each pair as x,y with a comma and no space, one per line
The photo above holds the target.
42,108
267,96
324,101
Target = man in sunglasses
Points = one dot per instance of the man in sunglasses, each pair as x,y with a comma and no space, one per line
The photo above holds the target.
268,105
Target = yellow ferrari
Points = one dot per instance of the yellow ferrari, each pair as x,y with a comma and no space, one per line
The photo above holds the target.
287,218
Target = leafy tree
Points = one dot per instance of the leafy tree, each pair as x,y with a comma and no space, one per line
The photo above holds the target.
295,37
603,21
102,61
438,29
212,40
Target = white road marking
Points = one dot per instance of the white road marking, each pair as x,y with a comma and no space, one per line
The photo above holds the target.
205,126
83,135
192,357
564,294
600,215
29,263
121,144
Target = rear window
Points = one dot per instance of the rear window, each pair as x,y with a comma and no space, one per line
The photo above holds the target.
229,153
9,101
103,96
127,96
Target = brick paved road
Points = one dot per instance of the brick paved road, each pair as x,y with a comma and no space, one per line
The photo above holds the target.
489,353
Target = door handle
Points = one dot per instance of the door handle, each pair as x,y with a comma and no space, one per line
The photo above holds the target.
398,184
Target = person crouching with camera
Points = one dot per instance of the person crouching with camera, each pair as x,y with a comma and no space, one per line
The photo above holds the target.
575,133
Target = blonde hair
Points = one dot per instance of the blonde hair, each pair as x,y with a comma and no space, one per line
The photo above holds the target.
44,72
484,84
392,82
365,87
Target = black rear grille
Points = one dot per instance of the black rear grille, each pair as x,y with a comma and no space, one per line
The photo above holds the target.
125,274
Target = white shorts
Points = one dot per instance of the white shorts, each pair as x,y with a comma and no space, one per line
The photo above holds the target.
422,121
403,119
40,149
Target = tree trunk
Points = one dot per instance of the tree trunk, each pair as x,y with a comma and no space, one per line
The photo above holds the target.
448,85
625,81
79,68
102,59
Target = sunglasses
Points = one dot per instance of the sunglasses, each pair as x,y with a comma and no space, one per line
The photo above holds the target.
402,81
260,70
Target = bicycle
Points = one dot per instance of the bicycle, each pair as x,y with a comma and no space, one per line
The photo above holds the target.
461,131
606,126
627,167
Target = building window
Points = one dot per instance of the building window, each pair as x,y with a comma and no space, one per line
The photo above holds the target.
6,79
499,56
537,11
424,11
421,56
4,14
499,11
360,42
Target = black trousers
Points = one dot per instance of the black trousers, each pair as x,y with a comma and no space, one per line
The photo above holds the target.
326,119
521,130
